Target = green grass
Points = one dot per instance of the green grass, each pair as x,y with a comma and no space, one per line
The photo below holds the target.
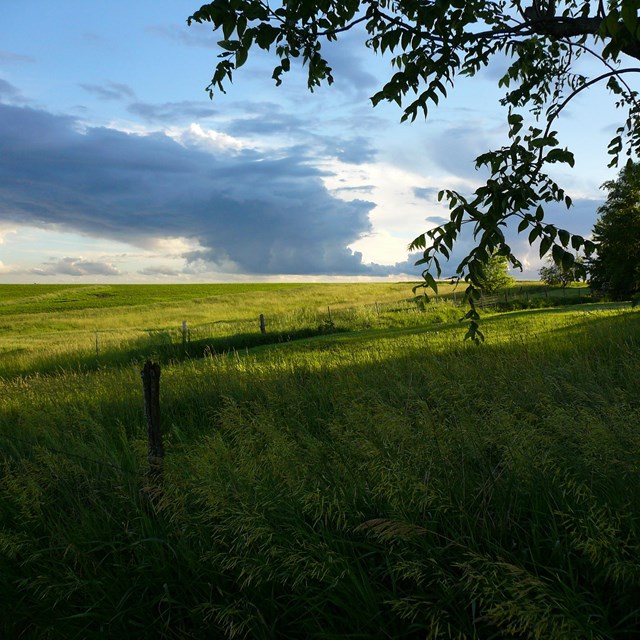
391,481
48,327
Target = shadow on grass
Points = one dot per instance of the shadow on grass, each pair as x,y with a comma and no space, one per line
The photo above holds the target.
162,348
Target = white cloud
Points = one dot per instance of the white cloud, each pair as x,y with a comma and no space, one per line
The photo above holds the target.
206,139
69,266
6,231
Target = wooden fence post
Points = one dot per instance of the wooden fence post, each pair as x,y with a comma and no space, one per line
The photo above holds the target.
378,311
329,313
151,387
184,336
97,346
263,328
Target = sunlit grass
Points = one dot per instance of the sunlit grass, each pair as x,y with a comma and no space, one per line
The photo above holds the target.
46,328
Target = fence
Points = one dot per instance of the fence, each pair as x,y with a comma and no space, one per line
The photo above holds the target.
508,296
73,348
302,323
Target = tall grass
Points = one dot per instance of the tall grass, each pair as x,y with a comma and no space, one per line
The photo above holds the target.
388,483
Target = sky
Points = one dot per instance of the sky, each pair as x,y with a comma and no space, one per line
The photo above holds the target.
115,165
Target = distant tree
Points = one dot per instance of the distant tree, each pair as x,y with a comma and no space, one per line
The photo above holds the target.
555,276
615,269
432,43
495,274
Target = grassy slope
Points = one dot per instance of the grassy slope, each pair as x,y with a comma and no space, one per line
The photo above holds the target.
391,483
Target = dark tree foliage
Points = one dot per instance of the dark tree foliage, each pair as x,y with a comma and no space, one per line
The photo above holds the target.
615,270
433,42
555,276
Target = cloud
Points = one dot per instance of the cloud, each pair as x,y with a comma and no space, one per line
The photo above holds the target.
350,72
260,213
76,267
10,94
171,112
267,118
355,151
159,270
110,91
5,231
197,35
457,147
425,193
11,58
365,188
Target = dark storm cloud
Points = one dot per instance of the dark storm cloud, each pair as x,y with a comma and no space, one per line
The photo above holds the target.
76,267
264,215
109,91
171,112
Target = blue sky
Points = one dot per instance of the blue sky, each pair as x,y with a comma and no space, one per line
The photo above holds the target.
115,166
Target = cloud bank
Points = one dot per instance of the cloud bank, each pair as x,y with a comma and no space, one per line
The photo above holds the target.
246,210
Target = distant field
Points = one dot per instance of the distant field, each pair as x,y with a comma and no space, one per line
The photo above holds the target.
372,477
48,326
50,298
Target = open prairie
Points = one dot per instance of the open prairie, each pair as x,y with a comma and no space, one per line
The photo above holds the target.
358,471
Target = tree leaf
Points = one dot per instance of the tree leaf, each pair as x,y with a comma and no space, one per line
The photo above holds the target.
545,245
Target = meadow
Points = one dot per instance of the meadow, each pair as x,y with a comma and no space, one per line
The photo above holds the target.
374,476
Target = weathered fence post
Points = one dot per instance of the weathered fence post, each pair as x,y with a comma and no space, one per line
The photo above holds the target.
184,336
329,313
151,387
378,311
97,346
263,328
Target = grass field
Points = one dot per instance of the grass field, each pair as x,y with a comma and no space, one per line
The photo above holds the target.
385,481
